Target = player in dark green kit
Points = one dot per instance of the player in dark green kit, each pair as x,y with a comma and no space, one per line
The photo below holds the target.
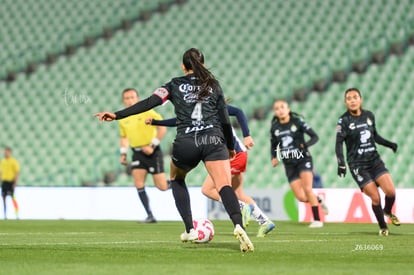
357,128
287,137
204,133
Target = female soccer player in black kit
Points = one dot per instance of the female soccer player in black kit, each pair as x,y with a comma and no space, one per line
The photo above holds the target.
204,133
288,144
357,128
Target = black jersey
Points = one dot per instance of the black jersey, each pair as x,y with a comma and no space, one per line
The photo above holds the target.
288,140
193,114
360,135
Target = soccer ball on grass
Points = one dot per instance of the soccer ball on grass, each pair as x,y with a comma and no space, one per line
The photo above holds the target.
205,230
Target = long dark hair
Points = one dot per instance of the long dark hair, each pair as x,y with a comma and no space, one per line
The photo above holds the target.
353,90
291,114
193,59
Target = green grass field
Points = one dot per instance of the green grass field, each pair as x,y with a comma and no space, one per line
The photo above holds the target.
126,247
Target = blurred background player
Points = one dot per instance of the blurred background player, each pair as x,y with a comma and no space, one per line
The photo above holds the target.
238,167
288,144
356,127
9,170
203,134
144,141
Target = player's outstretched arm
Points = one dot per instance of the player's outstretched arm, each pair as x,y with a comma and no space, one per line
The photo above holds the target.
105,116
382,141
241,118
137,108
172,122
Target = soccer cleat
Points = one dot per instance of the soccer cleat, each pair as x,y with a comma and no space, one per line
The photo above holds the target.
245,243
246,214
383,232
150,219
265,228
191,236
324,207
316,224
393,218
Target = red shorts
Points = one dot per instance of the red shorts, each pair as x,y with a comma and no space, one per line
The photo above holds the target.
239,163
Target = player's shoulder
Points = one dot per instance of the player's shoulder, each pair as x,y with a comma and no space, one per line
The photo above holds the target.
274,123
183,84
344,117
296,118
182,79
172,83
368,113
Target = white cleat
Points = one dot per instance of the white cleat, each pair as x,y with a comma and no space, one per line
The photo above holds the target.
191,236
245,243
316,224
324,207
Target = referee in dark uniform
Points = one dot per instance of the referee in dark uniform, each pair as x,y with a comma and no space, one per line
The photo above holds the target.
357,128
204,133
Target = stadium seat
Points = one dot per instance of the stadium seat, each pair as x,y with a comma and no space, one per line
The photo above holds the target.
286,46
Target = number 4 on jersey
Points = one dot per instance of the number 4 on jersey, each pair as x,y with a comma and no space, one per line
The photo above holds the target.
197,113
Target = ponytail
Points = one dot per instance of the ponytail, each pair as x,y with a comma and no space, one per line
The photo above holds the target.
193,59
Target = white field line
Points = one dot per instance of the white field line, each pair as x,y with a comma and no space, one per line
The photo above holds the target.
97,232
48,233
141,242
327,234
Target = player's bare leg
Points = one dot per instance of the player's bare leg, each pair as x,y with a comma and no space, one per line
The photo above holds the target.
209,189
306,180
160,181
219,170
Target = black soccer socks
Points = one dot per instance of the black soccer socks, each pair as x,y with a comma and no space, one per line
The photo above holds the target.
231,204
145,201
182,202
315,212
389,202
379,214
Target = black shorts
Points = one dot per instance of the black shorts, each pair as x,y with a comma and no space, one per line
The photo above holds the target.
189,150
293,170
364,174
153,163
7,188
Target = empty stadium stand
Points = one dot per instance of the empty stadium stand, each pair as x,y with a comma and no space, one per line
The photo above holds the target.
259,51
